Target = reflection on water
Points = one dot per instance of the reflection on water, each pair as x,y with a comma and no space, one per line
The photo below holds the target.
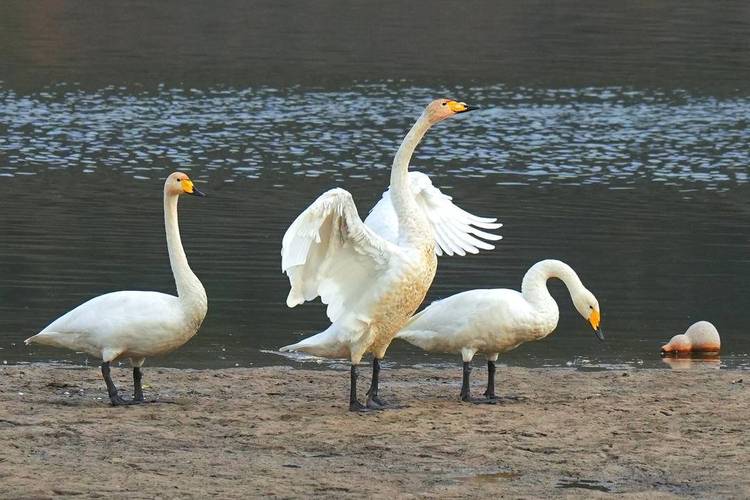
643,193
689,361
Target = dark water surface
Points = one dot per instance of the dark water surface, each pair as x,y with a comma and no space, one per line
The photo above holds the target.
616,140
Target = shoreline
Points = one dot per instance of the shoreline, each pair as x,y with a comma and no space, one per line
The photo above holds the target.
285,431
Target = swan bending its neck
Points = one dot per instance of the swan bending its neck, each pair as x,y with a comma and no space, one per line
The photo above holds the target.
534,285
535,291
494,321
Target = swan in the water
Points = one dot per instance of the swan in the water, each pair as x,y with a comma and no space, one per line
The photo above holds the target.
701,337
135,324
374,275
494,321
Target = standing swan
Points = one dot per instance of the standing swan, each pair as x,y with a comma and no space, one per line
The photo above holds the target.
137,324
372,285
496,321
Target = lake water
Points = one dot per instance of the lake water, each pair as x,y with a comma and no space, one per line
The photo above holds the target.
615,140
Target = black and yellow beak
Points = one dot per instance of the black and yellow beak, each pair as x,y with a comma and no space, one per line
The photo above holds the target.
595,320
189,188
460,107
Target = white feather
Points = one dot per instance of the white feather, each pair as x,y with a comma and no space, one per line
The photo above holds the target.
456,231
139,323
329,252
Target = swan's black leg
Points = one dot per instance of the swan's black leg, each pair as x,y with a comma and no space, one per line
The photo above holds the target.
137,387
490,392
373,400
466,392
114,398
354,404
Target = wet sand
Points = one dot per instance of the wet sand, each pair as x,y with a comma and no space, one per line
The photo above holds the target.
285,432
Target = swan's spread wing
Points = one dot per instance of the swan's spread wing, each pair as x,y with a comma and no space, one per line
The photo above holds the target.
456,230
329,252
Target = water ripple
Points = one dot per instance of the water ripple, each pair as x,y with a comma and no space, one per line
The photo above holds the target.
610,136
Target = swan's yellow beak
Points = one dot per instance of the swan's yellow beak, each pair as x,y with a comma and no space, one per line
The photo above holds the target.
460,107
595,320
189,188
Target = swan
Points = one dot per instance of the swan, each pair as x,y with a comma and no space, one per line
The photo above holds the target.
135,324
373,275
700,337
494,321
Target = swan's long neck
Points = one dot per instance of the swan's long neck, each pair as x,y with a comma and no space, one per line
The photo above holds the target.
189,288
534,286
411,221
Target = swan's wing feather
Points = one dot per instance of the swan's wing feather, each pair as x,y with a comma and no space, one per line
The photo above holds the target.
456,230
329,252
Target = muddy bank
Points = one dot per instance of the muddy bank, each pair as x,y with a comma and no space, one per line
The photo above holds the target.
285,432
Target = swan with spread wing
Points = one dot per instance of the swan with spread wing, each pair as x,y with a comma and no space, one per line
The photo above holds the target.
374,274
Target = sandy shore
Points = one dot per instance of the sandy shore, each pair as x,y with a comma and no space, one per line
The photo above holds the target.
284,432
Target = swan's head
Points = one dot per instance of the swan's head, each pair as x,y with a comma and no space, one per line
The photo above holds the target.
179,183
440,109
588,307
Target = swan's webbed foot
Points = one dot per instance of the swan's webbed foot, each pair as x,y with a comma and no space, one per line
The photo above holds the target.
375,403
468,398
358,407
118,400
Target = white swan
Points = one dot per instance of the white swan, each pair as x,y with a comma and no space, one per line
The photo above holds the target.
495,321
372,282
134,324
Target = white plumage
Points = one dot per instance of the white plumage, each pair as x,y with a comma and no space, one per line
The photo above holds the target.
495,321
456,231
137,324
374,274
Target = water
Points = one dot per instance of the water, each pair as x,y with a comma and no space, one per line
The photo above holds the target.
629,164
